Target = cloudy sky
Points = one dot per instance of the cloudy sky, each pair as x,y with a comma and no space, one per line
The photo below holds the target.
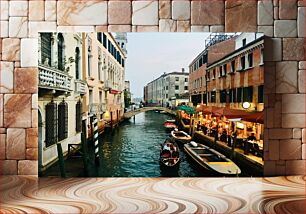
152,54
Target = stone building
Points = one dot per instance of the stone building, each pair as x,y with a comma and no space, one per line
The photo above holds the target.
104,72
166,88
61,91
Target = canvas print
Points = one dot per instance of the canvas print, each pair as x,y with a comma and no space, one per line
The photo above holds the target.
151,104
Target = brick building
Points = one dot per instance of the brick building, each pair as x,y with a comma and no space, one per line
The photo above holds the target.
218,45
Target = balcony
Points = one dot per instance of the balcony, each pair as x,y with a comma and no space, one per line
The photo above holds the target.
80,86
107,85
94,108
54,79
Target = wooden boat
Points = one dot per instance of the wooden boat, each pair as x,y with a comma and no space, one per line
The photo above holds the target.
180,136
169,153
211,160
170,125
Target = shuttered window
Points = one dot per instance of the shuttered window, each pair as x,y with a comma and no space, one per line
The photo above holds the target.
248,94
78,117
46,48
51,124
62,121
223,96
60,54
260,94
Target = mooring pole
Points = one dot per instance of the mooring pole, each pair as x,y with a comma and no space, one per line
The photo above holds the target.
84,146
61,159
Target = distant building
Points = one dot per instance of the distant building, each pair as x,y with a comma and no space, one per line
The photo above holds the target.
127,94
166,88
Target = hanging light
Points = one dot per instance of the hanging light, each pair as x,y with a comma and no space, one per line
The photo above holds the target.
246,105
106,115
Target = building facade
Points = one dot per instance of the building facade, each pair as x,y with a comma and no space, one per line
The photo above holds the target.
218,45
104,72
166,88
61,92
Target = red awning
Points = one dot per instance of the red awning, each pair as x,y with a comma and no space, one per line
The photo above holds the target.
112,91
207,109
230,113
257,117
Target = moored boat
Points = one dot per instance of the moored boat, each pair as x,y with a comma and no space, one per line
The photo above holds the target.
211,160
180,136
170,125
169,153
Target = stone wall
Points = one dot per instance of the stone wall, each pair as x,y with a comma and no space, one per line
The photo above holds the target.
282,20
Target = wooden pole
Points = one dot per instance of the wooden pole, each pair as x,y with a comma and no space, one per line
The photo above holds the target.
61,160
84,146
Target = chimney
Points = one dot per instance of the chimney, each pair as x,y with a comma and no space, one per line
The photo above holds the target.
183,70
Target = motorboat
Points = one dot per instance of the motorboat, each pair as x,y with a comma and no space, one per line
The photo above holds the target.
169,153
170,125
211,160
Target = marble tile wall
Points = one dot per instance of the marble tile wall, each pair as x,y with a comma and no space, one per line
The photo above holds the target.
282,20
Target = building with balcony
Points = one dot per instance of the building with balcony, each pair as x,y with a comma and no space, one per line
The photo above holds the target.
164,90
61,91
104,72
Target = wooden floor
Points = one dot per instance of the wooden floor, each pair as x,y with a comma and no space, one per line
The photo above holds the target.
153,195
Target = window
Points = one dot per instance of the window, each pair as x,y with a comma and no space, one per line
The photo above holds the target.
62,121
166,87
261,56
177,78
177,87
204,98
260,94
239,95
77,63
46,48
186,79
89,58
223,96
99,64
200,62
220,71
233,66
99,37
214,74
104,41
224,70
186,88
167,96
248,94
242,61
250,59
90,97
78,116
207,76
208,97
213,97
232,94
51,124
176,95
60,51
243,42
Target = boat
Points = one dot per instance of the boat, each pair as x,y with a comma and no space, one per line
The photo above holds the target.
163,112
169,153
170,125
180,136
211,160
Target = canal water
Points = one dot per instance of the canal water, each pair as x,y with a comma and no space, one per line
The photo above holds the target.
132,150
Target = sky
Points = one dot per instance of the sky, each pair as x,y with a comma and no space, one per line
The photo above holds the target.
152,54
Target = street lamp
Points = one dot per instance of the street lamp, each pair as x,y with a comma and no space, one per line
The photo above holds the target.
246,105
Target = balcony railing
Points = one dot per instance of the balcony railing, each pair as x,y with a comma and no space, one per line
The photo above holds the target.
80,86
52,78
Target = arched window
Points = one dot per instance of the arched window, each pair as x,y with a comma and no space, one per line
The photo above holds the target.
77,63
62,121
60,49
46,48
51,123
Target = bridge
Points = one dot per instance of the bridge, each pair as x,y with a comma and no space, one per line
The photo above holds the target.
128,115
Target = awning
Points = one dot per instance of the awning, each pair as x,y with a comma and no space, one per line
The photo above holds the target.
187,109
257,117
112,91
208,109
230,113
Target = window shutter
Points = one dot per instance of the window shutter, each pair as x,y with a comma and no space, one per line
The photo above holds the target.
62,120
78,122
51,124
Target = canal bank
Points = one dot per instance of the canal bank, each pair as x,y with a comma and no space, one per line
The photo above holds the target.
132,150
